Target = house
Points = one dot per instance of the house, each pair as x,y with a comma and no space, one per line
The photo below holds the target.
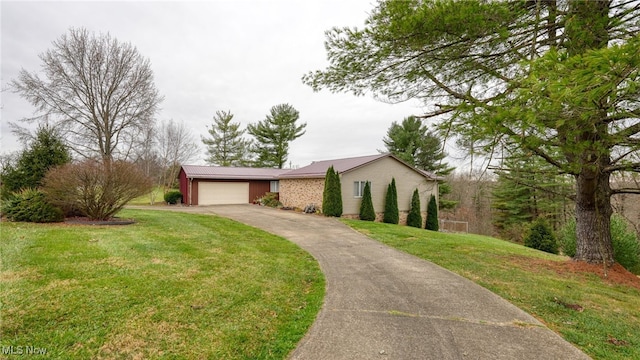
207,185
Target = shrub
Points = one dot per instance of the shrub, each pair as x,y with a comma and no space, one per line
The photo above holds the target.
172,196
432,215
31,205
270,199
391,213
415,218
367,212
541,237
96,189
626,248
332,194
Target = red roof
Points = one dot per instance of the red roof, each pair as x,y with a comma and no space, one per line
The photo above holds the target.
235,173
317,169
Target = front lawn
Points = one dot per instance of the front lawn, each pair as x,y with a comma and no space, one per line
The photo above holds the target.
172,285
599,315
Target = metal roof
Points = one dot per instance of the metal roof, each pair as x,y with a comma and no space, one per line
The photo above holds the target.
317,169
231,173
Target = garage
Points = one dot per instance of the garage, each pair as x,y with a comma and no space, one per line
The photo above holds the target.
220,193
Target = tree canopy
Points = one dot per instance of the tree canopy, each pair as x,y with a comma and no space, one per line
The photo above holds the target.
99,91
558,79
273,135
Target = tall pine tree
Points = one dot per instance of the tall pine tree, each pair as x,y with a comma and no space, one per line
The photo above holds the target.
226,146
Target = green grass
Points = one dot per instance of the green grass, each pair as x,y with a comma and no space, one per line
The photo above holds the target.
157,194
607,328
173,285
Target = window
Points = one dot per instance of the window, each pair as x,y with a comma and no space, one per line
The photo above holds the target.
274,186
358,188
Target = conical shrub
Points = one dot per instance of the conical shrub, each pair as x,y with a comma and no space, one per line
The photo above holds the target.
415,218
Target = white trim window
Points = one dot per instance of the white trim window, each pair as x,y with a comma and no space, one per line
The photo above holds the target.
358,188
274,186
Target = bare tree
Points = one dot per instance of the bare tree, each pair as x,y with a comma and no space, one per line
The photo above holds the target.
98,90
176,146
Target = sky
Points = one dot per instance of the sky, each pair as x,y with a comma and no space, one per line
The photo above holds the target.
243,56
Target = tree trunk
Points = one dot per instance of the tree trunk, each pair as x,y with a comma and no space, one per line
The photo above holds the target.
593,216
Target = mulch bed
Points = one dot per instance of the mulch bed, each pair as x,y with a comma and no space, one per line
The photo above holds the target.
616,274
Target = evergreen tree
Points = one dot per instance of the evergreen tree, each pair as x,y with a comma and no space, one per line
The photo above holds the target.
415,217
432,215
226,146
391,212
367,212
273,135
332,194
557,79
414,144
46,151
541,238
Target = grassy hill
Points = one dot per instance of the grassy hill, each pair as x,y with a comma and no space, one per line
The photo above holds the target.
597,311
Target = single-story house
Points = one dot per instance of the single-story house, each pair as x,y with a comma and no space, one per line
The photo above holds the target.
208,185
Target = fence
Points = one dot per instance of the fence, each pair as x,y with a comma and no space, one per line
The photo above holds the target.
454,226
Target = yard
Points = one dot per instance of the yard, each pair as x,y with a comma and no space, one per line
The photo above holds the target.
600,315
172,285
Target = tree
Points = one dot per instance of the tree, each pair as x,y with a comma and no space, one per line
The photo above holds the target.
97,90
541,237
391,212
332,194
176,146
367,212
413,143
273,135
557,79
432,215
96,189
47,150
415,217
226,146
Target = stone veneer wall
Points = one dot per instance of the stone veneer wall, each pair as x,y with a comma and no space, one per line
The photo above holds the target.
299,193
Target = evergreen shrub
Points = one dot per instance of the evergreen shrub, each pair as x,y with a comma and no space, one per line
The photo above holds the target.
172,197
367,212
391,212
432,215
541,237
30,205
415,218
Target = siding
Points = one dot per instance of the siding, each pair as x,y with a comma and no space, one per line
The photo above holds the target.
380,173
258,188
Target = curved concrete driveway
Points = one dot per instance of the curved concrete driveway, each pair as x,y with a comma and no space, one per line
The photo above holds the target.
385,304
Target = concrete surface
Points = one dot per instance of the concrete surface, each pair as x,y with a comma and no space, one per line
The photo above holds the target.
381,303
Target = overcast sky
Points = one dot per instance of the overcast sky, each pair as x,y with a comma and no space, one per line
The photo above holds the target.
242,56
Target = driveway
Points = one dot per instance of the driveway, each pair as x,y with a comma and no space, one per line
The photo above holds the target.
385,304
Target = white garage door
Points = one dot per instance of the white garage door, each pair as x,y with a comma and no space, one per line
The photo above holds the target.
218,193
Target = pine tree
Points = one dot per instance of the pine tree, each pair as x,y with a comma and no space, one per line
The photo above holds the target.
432,215
415,218
332,194
226,146
367,212
391,212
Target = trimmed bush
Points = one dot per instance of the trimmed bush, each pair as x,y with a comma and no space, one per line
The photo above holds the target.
332,194
31,205
270,199
172,197
391,212
432,215
367,212
625,243
541,237
415,218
